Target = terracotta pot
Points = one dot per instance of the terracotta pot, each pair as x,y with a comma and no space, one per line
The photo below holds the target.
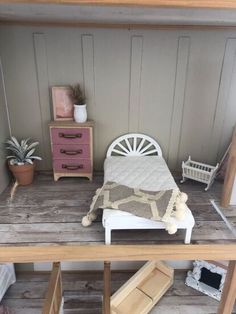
24,174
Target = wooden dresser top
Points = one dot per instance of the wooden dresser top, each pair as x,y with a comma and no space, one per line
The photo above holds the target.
71,123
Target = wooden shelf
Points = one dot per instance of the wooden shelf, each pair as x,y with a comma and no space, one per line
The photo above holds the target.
142,291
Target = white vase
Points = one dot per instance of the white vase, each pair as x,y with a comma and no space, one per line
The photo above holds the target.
80,113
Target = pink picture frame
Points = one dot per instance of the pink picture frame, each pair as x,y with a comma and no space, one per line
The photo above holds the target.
63,107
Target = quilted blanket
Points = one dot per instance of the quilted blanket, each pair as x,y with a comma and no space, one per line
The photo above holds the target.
156,205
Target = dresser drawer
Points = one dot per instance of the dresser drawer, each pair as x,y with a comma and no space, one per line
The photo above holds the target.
70,135
62,151
72,165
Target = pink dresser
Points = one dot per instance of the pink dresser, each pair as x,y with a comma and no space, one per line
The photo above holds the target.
72,149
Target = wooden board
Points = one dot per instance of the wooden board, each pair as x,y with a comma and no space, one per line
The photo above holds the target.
162,3
71,124
142,291
136,302
230,173
83,294
155,284
53,300
49,214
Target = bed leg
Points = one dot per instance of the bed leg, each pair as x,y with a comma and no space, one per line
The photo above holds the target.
107,287
108,235
188,235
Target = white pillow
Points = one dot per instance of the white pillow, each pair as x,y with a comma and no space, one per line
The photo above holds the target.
7,278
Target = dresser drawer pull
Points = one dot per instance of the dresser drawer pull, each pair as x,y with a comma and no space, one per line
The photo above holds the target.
72,167
77,135
71,152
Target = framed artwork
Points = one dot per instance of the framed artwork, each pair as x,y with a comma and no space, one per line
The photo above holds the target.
207,278
62,104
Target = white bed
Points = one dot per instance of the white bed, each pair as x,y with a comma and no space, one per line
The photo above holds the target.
136,160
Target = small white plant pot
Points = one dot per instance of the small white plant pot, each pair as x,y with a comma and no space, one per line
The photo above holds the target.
80,113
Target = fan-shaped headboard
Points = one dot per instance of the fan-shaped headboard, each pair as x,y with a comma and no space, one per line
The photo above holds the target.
134,144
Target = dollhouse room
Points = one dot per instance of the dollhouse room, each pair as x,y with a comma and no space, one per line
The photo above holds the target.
118,156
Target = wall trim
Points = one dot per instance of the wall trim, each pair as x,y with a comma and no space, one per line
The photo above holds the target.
5,97
136,55
182,61
55,23
226,4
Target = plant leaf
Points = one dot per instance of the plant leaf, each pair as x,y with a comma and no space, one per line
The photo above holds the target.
32,145
30,153
29,161
36,157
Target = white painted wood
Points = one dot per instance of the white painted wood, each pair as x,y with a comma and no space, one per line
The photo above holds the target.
157,86
138,145
88,68
162,51
115,221
217,142
135,82
115,14
188,235
230,108
126,145
43,92
179,100
199,172
5,130
193,278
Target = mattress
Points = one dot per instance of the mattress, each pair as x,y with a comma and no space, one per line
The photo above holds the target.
147,172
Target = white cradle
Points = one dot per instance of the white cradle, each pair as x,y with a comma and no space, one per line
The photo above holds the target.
136,160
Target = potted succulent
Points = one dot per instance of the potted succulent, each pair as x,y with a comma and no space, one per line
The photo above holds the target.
21,161
78,98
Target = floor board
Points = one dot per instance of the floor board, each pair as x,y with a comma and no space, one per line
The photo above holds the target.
49,212
83,294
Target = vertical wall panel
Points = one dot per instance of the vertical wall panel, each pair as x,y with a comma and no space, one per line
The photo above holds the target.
112,70
179,99
218,141
21,84
135,82
204,69
43,93
87,43
157,85
151,82
5,131
88,67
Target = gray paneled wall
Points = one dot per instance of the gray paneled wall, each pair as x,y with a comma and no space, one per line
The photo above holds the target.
178,86
4,132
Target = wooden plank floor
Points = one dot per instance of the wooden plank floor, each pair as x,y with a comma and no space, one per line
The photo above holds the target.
49,212
83,294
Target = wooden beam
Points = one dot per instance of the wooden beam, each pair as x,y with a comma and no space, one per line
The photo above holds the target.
107,287
230,174
30,254
54,293
227,4
229,291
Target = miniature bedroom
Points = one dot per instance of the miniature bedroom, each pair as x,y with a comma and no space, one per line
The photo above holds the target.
118,157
